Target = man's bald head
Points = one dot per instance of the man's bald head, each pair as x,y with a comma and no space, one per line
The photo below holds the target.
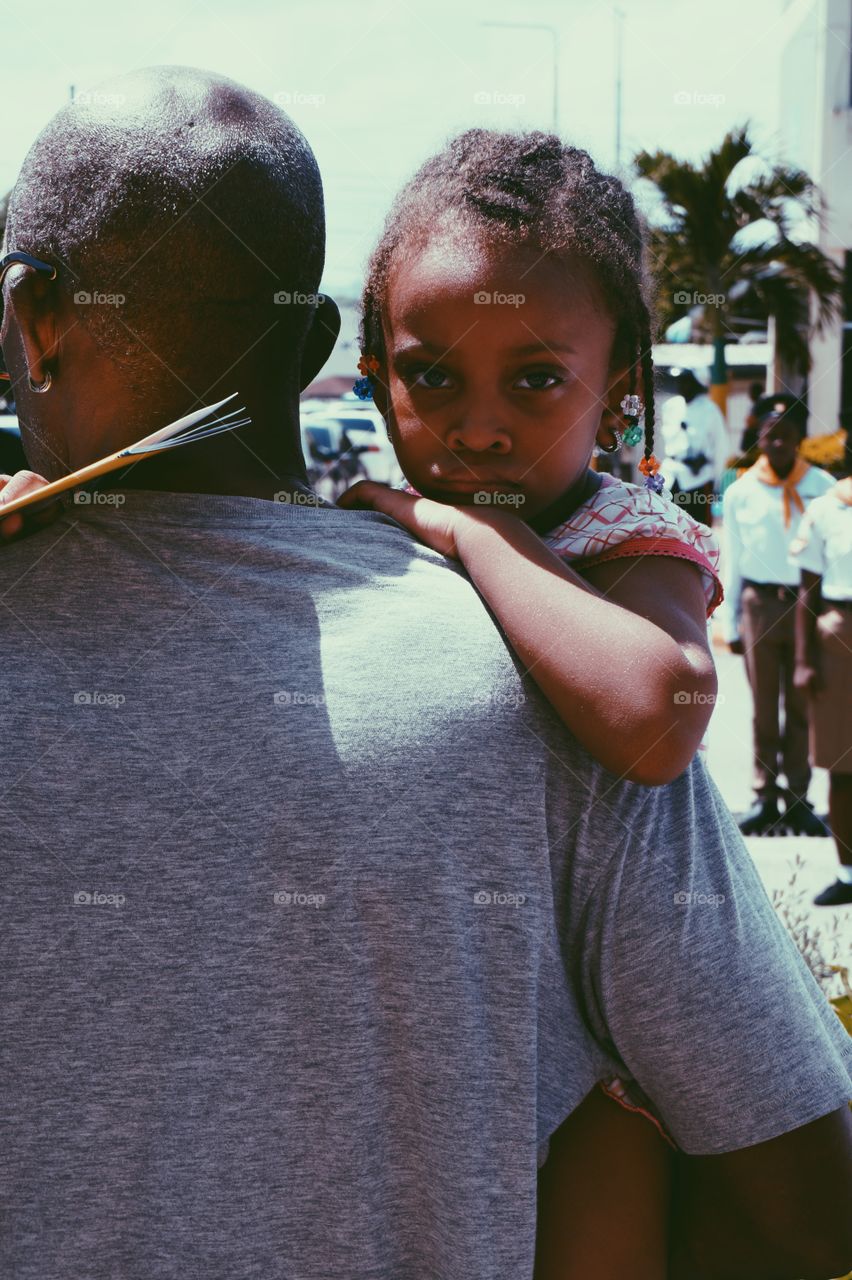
194,200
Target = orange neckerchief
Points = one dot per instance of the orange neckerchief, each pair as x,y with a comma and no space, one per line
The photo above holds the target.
764,471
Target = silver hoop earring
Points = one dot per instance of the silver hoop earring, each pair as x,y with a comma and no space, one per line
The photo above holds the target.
613,448
40,387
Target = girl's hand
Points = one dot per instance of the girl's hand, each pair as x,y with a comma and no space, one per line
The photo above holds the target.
435,523
16,486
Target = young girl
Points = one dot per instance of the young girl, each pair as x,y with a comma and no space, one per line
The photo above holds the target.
504,313
505,327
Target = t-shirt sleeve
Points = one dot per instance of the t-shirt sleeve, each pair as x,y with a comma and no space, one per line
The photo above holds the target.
631,521
690,981
807,550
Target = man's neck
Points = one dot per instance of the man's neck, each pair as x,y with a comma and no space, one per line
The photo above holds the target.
162,473
246,463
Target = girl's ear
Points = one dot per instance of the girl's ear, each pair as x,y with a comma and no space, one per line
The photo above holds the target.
609,423
612,414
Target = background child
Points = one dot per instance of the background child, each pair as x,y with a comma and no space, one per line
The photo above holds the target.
823,552
762,512
696,447
505,310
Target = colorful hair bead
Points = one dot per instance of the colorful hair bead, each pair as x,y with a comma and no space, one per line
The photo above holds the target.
631,407
650,468
364,386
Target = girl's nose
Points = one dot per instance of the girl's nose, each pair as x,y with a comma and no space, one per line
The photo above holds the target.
479,436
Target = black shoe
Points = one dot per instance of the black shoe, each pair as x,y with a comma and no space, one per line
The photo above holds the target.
800,819
762,819
838,894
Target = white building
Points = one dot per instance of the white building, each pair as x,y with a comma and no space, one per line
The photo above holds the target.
816,135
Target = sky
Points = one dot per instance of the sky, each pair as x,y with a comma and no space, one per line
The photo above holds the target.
378,86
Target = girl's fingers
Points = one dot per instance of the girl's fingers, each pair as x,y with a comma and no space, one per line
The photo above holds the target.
380,497
398,505
434,523
17,486
364,494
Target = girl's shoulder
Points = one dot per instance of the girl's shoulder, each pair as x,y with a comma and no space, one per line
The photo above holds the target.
625,519
618,510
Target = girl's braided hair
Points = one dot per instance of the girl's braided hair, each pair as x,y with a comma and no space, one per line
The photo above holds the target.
527,188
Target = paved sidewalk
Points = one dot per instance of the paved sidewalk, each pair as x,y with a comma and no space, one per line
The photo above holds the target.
729,757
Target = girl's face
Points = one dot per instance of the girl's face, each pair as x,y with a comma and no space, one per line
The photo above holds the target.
496,373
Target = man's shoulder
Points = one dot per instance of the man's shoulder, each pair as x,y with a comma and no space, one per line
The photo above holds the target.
18,556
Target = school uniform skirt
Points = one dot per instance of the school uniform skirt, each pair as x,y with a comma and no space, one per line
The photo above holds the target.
831,707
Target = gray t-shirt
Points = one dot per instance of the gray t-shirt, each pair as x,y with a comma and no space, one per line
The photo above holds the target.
316,922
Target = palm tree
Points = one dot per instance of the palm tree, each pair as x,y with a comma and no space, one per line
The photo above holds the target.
732,230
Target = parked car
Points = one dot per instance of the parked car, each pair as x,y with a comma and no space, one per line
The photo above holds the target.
332,459
365,426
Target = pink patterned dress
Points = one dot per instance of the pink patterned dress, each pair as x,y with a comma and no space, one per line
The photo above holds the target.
622,519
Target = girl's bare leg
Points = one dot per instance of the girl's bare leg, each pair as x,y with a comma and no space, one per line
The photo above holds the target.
603,1197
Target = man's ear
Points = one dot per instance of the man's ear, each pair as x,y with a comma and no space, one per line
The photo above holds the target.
319,344
31,312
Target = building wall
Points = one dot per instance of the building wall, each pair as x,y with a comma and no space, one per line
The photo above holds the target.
816,135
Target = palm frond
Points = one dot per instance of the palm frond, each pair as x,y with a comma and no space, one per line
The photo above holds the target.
695,242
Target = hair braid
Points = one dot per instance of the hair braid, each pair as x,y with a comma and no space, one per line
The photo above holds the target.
647,361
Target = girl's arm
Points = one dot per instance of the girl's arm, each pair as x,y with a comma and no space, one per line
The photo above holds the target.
621,654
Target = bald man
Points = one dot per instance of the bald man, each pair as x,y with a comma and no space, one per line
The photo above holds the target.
316,924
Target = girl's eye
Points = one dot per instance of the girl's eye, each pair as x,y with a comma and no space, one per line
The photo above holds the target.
432,377
539,380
